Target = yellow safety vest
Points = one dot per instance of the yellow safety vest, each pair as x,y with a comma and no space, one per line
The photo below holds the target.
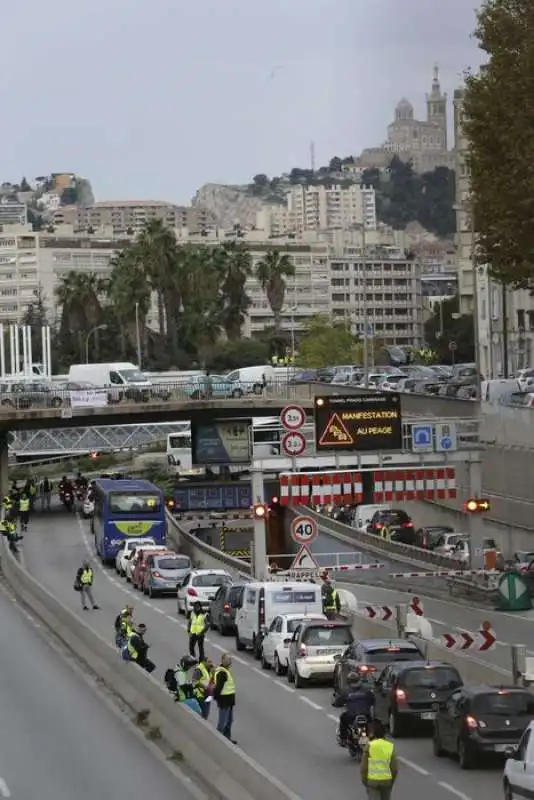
131,649
33,490
332,604
379,765
386,533
229,684
10,525
87,576
24,504
204,675
7,502
198,624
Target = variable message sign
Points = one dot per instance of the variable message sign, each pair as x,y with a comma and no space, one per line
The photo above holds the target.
358,422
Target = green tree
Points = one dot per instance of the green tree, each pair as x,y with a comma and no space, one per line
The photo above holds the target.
77,296
69,196
233,263
446,326
129,293
156,250
325,344
25,186
498,120
272,271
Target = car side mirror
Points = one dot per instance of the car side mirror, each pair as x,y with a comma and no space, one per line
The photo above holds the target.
515,754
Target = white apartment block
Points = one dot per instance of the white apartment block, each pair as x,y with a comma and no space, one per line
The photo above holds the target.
12,213
331,207
128,217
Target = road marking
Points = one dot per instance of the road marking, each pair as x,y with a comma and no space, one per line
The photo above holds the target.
333,718
309,702
282,685
261,672
451,789
159,610
413,765
4,788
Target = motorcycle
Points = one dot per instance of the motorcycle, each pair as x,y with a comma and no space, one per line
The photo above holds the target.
357,737
68,500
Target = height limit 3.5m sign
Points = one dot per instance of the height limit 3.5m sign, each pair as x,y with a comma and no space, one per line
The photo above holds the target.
358,422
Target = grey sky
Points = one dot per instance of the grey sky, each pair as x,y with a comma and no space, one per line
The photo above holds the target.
152,98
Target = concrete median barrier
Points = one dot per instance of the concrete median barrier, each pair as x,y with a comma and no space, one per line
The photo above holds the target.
227,772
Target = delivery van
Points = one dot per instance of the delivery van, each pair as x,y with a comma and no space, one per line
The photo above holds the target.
121,376
252,379
262,602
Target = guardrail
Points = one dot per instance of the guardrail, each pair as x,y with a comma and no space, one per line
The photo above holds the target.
225,770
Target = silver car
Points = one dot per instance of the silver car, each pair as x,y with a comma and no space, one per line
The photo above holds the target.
164,572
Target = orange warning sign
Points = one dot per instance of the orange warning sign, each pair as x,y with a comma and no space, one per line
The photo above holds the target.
335,433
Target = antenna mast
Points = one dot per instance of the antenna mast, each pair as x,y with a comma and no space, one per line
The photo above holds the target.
312,155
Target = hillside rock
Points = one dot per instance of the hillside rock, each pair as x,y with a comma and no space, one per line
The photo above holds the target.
230,205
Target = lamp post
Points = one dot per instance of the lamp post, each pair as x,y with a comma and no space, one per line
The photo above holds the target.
88,339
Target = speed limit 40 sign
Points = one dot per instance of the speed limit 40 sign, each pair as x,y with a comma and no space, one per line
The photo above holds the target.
303,530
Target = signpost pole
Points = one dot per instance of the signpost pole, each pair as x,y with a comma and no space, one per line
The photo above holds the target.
476,521
260,533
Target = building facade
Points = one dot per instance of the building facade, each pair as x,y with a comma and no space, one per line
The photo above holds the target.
331,207
128,217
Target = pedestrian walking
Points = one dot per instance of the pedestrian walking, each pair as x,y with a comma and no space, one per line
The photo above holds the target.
84,584
46,494
197,631
24,511
379,765
224,696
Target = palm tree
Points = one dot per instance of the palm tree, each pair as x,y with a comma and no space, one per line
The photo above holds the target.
198,285
156,250
129,292
272,271
77,296
233,263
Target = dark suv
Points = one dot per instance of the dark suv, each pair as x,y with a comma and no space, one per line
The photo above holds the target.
406,694
399,523
370,657
224,606
482,720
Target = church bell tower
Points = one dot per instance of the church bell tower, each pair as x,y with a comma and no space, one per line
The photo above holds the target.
436,106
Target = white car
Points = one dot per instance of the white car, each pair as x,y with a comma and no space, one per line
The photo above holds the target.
125,551
313,650
275,644
131,561
518,778
200,586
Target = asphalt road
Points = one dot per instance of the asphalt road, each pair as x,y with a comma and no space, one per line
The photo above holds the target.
290,732
56,739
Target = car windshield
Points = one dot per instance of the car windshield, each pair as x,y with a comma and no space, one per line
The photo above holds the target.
133,376
173,563
505,704
327,637
212,579
392,517
432,678
292,624
386,654
525,556
134,503
135,545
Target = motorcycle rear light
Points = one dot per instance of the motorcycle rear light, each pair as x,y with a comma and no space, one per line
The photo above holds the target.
400,694
156,575
227,607
192,593
302,651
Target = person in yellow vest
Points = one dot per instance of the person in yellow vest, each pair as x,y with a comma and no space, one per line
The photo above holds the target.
385,533
379,767
202,680
197,631
224,695
123,626
24,511
84,585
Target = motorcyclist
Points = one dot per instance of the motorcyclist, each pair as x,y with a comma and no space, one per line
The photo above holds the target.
358,701
81,483
65,486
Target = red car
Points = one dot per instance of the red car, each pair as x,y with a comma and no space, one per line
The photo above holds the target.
138,573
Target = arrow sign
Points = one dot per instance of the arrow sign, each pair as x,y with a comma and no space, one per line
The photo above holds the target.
304,560
370,611
449,640
466,640
488,637
416,607
387,613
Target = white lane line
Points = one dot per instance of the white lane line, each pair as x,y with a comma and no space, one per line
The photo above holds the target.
261,672
173,619
4,788
333,718
156,608
283,686
309,702
413,765
453,791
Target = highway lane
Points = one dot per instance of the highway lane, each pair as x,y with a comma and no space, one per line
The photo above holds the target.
290,732
56,739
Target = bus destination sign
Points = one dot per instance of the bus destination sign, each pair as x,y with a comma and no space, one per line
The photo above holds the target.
358,422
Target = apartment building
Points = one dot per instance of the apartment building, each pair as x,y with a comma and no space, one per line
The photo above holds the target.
331,207
12,212
128,217
378,290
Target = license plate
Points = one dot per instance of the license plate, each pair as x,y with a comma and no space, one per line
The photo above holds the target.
428,715
503,748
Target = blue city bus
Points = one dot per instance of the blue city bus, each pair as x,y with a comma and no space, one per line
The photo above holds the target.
126,508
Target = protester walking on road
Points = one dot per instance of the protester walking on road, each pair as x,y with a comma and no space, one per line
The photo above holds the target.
224,696
379,766
330,598
197,631
24,511
84,584
46,494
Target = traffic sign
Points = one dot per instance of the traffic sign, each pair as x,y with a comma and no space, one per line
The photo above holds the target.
303,530
416,607
422,438
446,439
488,637
358,423
304,560
384,612
293,417
466,640
293,443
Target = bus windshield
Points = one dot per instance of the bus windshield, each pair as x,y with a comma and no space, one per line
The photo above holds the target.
134,503
179,440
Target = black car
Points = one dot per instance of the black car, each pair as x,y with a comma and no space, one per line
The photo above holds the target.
370,656
406,694
428,536
399,523
481,720
223,608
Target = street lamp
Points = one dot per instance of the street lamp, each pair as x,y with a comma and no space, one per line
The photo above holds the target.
88,339
293,344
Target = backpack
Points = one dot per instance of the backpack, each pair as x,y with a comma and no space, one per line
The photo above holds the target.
170,681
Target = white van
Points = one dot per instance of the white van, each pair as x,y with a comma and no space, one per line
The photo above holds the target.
262,602
499,389
252,378
118,375
363,515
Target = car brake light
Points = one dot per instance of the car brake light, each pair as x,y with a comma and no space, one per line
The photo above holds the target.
227,607
400,694
366,668
156,575
192,593
302,651
407,525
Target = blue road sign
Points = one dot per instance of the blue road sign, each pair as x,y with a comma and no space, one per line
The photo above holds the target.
422,438
446,443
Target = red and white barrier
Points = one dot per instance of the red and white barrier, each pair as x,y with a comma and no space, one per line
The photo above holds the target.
321,571
397,485
416,607
443,573
481,642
